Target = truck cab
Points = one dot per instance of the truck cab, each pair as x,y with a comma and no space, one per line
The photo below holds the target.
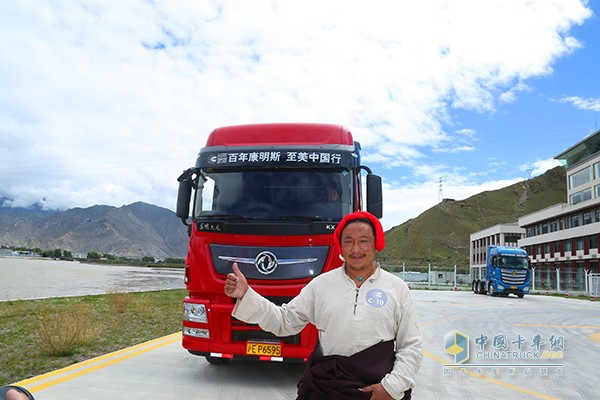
268,197
507,271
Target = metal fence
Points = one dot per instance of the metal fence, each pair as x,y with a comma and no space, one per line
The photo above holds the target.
577,280
594,284
553,280
429,275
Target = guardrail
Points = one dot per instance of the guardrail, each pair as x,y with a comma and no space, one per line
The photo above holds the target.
546,281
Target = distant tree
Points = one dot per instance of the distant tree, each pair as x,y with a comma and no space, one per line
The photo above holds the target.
47,253
169,260
57,253
92,255
148,259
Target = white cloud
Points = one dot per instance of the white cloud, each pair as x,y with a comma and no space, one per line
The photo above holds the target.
107,102
583,104
539,167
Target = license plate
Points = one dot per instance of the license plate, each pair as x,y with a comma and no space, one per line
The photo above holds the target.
263,349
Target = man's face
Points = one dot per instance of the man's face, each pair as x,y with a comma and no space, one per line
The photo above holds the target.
358,246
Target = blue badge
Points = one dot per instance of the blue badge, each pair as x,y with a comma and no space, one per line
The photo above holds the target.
376,298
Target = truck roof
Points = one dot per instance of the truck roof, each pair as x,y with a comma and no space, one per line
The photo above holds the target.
506,250
280,134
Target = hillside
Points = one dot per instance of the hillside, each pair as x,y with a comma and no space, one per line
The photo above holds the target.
135,230
440,235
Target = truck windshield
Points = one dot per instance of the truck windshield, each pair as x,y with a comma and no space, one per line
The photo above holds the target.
514,262
281,194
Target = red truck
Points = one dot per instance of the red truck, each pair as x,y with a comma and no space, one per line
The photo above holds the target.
267,196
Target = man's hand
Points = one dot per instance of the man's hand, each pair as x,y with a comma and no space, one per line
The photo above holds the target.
236,285
377,392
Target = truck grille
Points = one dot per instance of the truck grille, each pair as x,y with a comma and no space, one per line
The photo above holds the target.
513,277
244,332
250,332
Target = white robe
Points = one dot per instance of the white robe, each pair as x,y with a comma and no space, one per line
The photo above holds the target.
349,319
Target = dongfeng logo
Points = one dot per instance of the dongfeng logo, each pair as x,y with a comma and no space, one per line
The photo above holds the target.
265,262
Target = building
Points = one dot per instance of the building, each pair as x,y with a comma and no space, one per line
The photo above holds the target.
497,235
562,240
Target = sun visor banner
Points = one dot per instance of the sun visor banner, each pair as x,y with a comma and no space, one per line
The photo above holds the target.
287,158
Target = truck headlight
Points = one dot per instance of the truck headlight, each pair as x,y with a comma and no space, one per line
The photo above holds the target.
195,332
195,313
500,287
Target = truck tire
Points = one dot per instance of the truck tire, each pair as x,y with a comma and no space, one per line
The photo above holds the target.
474,287
482,288
491,290
521,295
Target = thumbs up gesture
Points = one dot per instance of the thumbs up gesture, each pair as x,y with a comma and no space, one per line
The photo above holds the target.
236,285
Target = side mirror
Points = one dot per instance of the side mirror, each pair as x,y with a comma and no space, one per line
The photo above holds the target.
374,195
184,195
15,393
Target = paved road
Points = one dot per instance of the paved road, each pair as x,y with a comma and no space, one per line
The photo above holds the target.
29,278
161,369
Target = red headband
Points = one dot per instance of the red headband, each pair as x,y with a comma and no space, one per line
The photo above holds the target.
379,235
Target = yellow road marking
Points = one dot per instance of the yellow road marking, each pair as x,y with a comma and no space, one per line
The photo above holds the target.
594,336
79,368
495,381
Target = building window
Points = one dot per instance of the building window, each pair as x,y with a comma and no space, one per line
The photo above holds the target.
597,215
587,217
538,250
580,178
511,237
593,241
580,245
553,226
597,191
574,221
529,232
547,251
579,197
544,228
557,246
568,245
561,224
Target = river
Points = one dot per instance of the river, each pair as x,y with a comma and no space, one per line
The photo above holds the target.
23,278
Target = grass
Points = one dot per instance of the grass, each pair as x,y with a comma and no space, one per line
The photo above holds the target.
39,336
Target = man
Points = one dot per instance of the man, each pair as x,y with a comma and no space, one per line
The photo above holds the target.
369,341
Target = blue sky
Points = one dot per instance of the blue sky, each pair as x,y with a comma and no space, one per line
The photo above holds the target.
107,102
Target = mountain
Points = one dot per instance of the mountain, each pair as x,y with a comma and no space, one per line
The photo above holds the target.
441,235
135,230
